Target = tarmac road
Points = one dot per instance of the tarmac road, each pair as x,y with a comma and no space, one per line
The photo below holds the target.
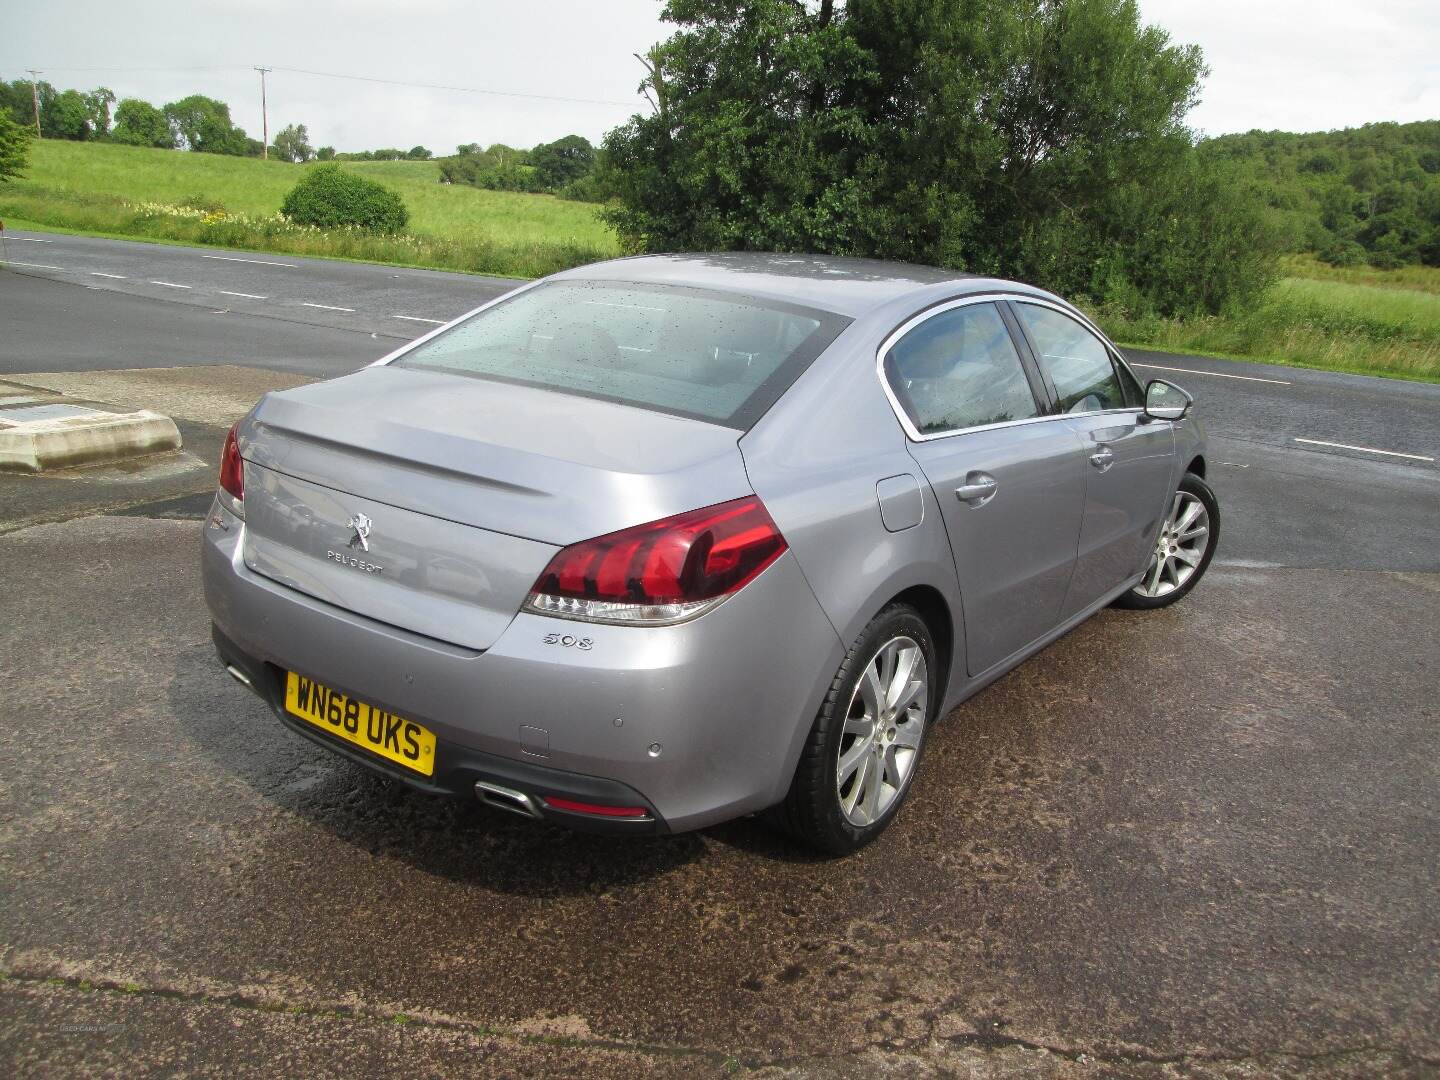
1197,842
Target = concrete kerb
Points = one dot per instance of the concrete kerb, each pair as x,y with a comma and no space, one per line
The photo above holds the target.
39,435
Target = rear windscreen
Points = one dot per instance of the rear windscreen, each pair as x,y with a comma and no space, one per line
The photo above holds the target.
712,356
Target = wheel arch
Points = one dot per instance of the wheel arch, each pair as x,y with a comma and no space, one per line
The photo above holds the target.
935,610
1197,466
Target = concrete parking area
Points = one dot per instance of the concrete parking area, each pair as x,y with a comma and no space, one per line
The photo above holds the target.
1196,842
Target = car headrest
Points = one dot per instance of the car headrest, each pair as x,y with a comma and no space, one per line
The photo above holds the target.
585,343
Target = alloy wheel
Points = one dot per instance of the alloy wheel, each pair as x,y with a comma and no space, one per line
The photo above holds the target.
883,728
1180,548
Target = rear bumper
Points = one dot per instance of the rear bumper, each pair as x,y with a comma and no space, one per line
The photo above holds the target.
458,768
699,722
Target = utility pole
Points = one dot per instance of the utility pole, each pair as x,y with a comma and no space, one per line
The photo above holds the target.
35,97
264,117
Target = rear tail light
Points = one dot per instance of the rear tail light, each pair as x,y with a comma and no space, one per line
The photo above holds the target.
232,475
662,572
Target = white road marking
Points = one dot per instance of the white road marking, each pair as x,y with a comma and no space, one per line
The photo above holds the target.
325,307
171,285
1217,374
417,318
246,295
257,262
30,239
1364,449
42,266
97,273
1234,464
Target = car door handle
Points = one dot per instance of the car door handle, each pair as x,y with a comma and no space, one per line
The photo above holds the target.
978,489
1103,458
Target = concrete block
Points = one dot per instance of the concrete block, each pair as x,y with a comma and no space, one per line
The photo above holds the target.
39,438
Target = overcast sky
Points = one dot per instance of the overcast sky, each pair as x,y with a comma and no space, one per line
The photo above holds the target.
1289,64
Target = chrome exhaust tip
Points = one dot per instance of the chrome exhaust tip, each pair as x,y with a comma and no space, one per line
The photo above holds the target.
240,676
504,798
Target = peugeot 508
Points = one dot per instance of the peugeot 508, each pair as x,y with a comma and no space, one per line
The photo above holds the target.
662,541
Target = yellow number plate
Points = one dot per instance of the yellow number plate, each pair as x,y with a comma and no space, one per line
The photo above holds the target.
401,741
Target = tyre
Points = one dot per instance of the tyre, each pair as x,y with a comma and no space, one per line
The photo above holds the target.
864,748
1182,550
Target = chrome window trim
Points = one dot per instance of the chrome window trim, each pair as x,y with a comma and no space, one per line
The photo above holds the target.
1116,356
914,434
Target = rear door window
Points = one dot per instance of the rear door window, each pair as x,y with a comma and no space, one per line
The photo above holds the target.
1077,362
960,369
713,356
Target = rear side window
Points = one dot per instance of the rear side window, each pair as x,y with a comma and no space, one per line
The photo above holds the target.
959,369
712,356
1077,361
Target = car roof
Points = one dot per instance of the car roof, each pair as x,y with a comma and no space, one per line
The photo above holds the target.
835,283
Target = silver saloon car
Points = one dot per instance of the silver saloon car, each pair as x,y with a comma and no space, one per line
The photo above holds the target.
659,542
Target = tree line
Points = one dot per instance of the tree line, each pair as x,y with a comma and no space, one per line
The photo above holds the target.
568,167
197,122
203,124
1362,195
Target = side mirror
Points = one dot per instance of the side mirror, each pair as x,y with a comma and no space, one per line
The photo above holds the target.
1166,401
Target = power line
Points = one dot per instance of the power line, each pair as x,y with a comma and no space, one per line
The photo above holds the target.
458,89
195,67
373,79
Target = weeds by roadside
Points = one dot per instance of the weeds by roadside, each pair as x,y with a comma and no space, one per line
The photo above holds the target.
214,227
1333,324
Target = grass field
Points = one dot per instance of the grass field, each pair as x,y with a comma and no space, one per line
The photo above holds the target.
123,190
1373,322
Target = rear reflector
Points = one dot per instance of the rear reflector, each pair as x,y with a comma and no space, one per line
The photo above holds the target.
557,803
662,572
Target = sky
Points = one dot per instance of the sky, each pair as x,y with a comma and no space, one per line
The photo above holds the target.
1287,64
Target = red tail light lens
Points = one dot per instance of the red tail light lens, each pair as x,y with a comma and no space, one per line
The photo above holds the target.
662,572
232,473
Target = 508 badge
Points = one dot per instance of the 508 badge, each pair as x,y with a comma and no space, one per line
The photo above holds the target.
569,641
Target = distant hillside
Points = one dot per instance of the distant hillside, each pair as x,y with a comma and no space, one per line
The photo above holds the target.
1369,194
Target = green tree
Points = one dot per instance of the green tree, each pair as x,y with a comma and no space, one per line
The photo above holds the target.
292,143
97,111
201,123
418,153
138,123
325,153
15,100
562,161
498,164
1003,136
14,147
64,115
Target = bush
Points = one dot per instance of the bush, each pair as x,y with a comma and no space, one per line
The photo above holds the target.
595,187
327,197
1343,253
203,203
14,148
